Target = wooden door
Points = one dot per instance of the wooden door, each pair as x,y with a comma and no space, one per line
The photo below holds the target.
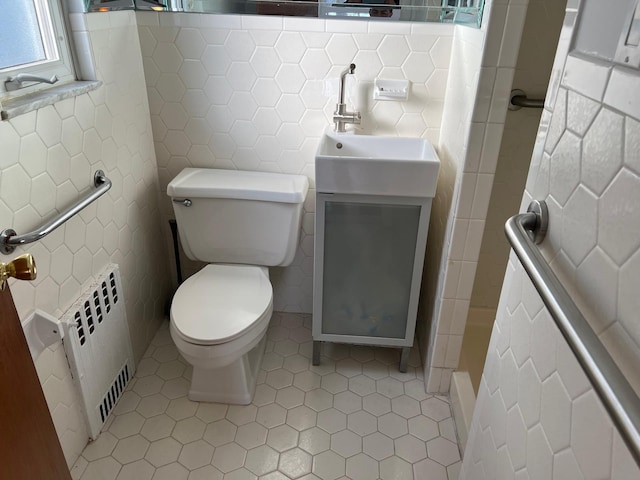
29,446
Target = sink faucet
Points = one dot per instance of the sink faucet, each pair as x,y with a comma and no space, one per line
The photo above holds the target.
341,117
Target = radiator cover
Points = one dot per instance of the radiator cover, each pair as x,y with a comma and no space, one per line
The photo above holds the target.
98,347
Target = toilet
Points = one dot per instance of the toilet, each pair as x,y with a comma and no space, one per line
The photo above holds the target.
239,223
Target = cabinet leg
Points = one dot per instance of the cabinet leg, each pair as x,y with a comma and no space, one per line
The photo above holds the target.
315,358
404,359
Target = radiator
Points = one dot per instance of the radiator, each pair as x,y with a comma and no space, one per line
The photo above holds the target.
98,347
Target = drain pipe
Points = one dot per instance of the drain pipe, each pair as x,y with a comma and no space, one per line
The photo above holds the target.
176,250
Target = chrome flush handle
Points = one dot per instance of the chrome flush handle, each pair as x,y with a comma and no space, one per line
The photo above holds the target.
184,201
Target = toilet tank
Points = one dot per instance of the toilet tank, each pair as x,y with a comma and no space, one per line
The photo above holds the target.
233,216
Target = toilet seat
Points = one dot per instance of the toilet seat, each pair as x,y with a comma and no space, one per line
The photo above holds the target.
220,303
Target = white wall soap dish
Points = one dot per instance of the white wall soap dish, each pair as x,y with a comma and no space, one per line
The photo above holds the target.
391,89
41,331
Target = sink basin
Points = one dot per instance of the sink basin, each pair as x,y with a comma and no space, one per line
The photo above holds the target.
373,165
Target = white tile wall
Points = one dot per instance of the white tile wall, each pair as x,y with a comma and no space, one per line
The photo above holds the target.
455,127
285,131
533,68
48,160
228,92
559,422
480,78
256,121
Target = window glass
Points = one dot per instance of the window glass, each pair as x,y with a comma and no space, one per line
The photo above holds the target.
20,35
34,42
369,254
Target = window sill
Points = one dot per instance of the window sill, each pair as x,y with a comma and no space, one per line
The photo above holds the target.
12,107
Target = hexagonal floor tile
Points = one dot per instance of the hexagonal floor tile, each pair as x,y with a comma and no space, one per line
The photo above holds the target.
188,430
229,457
405,406
271,415
392,425
362,423
301,418
376,404
220,432
126,425
306,380
435,408
443,451
396,468
131,449
282,438
295,463
348,402
140,470
410,448
164,451
262,460
328,465
290,397
346,443
195,455
210,412
251,435
346,418
314,440
377,446
362,385
362,467
423,428
332,420
173,471
205,473
318,399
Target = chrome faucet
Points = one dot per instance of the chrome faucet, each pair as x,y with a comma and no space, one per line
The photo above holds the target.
341,117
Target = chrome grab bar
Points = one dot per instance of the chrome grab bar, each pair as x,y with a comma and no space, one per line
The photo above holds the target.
519,99
610,384
9,239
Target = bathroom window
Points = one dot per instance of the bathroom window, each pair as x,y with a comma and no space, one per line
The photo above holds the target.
33,41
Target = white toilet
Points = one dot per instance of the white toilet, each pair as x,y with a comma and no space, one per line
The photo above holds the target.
240,223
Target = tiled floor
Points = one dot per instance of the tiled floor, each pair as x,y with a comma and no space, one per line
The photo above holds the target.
354,416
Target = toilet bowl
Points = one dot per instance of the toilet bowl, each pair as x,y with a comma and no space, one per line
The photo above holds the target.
241,223
219,318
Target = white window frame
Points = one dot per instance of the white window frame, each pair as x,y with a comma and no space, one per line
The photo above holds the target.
56,41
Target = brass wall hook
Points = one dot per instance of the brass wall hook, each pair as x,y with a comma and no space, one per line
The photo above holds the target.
22,268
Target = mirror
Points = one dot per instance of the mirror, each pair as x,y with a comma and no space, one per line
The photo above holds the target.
466,12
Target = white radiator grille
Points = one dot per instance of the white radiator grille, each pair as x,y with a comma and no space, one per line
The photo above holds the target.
98,347
113,394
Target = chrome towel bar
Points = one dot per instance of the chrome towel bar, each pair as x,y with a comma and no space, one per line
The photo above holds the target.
610,384
9,239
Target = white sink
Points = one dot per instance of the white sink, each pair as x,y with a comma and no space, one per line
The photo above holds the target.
372,165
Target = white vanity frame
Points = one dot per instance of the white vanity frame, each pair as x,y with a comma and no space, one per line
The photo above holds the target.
404,343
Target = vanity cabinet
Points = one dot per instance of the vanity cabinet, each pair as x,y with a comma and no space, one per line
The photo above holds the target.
369,254
373,204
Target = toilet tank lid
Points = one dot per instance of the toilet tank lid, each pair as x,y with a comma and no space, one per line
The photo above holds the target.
240,184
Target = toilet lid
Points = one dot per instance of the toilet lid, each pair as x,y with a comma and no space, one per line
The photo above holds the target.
221,302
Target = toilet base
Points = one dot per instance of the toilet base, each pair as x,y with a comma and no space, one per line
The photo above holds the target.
234,383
